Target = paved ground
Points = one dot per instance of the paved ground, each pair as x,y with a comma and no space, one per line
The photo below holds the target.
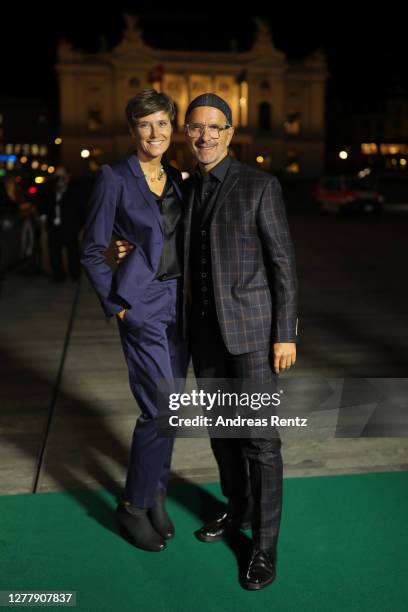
353,322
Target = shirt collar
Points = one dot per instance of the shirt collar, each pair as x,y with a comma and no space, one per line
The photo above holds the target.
218,172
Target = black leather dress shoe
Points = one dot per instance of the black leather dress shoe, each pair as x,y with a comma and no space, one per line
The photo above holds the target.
160,519
137,528
220,527
260,573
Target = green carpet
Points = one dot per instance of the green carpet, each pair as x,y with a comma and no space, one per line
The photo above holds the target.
343,546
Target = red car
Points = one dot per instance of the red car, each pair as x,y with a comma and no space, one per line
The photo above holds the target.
348,194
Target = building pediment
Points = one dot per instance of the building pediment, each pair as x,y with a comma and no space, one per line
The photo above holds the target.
132,43
263,52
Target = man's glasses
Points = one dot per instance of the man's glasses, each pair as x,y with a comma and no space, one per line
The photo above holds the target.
197,129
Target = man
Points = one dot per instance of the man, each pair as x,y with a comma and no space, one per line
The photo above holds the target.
239,262
62,205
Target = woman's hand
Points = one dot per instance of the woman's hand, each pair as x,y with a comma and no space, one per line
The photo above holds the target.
122,249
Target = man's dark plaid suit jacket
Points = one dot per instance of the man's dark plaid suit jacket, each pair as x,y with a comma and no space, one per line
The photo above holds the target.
252,258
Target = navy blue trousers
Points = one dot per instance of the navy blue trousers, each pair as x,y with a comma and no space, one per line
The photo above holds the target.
151,339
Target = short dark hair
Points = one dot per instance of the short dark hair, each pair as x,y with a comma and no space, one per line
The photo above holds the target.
149,101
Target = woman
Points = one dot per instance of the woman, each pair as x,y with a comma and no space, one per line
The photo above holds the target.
139,200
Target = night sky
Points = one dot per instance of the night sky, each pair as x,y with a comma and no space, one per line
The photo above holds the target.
365,52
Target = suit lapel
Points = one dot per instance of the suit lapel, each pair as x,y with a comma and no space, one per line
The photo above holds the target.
174,178
144,189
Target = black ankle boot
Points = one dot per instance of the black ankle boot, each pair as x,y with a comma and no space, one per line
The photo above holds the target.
137,528
159,517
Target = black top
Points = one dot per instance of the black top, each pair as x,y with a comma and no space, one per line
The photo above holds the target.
170,209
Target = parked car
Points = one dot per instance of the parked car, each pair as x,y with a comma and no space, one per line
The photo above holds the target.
348,194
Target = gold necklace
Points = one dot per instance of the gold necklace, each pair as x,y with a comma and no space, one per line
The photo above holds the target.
157,178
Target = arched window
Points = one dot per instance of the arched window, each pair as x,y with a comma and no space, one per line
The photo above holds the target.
95,119
292,123
264,117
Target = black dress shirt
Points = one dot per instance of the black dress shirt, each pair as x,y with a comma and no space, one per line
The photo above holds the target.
170,209
207,187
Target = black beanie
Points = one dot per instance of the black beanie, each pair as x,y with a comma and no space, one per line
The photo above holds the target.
211,99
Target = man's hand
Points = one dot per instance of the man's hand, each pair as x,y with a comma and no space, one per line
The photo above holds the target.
284,356
122,249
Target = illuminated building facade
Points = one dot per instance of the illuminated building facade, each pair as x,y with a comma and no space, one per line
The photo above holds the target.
278,106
